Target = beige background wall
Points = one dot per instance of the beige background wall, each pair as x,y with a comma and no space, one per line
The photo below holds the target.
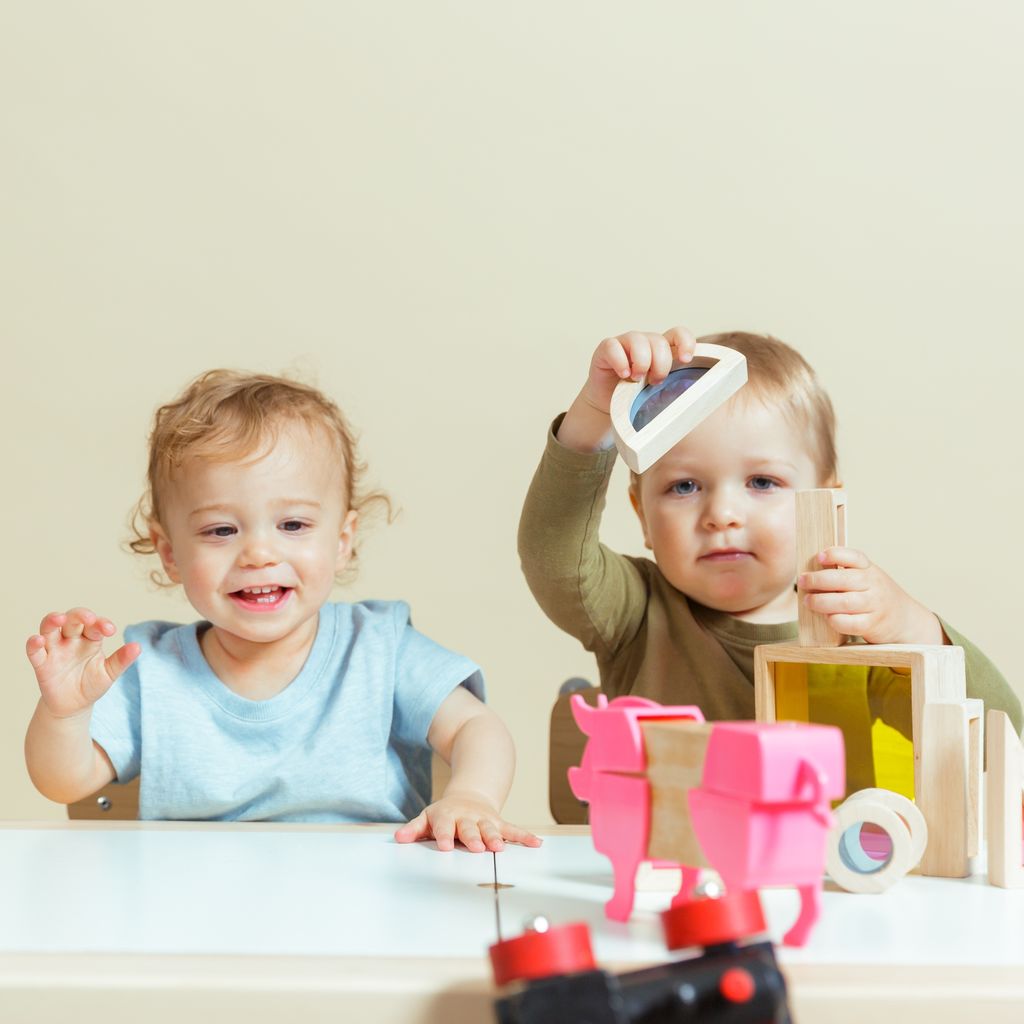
438,209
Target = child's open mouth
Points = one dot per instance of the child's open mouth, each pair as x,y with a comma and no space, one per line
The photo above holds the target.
261,599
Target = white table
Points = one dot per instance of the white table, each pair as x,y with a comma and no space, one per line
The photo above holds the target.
128,921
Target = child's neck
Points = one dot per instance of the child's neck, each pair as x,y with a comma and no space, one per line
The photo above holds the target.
257,671
782,608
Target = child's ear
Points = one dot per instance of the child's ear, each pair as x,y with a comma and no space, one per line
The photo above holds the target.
162,543
638,508
347,538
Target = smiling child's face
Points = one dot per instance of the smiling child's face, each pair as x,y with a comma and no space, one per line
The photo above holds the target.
718,510
256,543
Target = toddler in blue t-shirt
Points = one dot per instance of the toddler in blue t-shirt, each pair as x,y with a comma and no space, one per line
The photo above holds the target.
279,705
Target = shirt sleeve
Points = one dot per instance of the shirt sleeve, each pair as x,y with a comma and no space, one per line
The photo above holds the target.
116,723
984,680
585,588
425,674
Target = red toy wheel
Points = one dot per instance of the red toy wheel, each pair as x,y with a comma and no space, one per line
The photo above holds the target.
709,922
533,955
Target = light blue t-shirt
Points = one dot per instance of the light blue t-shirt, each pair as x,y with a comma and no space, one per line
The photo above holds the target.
346,740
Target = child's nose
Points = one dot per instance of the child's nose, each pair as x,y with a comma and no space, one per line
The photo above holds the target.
257,552
723,511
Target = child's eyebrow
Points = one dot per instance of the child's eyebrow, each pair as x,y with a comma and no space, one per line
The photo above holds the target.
283,502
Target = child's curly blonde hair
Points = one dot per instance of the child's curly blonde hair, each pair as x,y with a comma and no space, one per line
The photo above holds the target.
228,414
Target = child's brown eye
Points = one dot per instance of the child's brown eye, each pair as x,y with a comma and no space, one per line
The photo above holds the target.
221,531
292,526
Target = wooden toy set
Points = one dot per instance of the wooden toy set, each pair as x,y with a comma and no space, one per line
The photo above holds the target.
753,799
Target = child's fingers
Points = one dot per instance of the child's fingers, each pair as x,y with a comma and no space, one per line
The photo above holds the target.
99,630
35,648
412,830
638,348
662,358
469,834
841,603
491,834
443,828
51,624
846,558
515,834
833,580
851,625
611,355
121,659
682,342
76,622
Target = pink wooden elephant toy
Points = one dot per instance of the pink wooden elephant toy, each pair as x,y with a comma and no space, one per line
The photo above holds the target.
758,809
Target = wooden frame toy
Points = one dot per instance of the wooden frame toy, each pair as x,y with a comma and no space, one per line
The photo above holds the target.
648,421
947,728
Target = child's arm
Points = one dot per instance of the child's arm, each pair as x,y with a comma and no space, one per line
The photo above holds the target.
67,655
586,427
474,741
593,593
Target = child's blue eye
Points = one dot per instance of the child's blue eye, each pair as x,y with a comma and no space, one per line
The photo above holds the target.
292,526
762,483
219,531
684,487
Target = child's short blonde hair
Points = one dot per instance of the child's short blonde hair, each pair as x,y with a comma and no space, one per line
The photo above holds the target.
224,415
780,376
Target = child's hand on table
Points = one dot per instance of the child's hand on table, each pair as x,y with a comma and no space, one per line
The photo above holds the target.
67,656
468,817
860,599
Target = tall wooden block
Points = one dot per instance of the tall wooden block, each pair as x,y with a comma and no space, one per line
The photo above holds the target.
1004,802
820,524
949,786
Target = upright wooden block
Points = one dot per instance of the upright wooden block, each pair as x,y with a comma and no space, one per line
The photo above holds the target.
937,676
1004,802
644,432
950,782
820,524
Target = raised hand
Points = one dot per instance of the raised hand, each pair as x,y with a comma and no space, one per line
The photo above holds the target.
632,355
70,667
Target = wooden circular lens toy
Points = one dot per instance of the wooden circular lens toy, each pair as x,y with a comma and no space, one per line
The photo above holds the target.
648,420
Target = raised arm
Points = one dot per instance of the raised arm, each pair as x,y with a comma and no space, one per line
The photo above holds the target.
72,672
586,589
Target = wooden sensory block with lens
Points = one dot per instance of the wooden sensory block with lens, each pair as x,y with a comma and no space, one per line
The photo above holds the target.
690,393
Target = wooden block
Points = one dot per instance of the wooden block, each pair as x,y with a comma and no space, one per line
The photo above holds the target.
820,524
937,675
943,794
675,764
1004,801
726,373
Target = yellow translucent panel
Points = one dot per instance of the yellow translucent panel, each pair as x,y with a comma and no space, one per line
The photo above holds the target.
851,697
894,759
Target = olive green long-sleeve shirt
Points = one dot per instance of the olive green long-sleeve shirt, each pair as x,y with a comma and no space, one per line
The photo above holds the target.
649,639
